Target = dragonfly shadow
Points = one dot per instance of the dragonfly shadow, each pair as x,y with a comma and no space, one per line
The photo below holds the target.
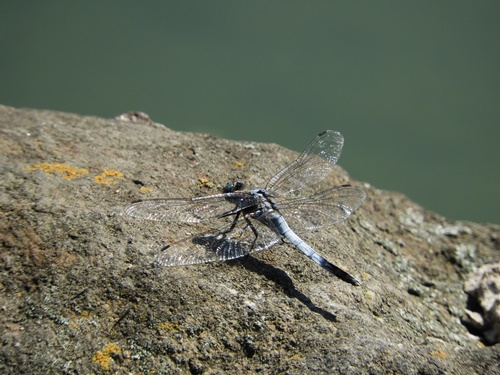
280,278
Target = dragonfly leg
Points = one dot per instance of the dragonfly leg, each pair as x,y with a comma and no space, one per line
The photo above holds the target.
250,225
233,224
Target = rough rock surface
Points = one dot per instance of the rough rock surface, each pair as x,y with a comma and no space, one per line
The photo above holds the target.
80,292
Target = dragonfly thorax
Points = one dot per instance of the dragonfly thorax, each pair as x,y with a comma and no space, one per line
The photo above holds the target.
265,204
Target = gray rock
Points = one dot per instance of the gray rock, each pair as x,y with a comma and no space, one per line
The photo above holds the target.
80,292
483,288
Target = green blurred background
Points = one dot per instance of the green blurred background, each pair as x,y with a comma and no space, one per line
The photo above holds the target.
413,86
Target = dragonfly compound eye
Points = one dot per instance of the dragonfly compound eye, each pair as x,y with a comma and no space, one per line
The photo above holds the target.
233,186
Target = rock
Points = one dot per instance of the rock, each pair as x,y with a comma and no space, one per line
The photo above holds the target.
81,293
483,288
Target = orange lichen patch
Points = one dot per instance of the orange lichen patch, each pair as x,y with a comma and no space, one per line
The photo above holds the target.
439,354
238,164
205,182
108,177
145,190
66,171
167,327
103,357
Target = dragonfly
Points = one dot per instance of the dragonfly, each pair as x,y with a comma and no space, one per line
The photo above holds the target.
257,219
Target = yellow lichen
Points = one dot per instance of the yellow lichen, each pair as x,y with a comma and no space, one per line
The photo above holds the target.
108,177
439,354
145,189
167,327
205,182
103,357
112,349
66,171
238,164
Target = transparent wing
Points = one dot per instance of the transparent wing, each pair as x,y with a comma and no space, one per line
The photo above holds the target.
311,167
220,245
321,209
186,210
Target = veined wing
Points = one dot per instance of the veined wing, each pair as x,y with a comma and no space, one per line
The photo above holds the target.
321,209
188,210
311,167
220,245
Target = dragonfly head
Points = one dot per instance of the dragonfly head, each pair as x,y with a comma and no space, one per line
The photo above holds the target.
233,186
